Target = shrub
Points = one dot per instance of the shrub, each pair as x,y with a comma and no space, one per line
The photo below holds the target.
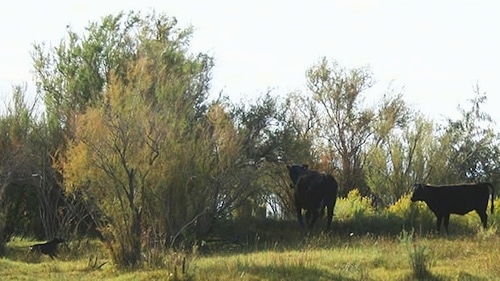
354,206
357,213
411,215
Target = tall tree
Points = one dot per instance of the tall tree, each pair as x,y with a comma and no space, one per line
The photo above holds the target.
473,145
346,125
402,158
130,100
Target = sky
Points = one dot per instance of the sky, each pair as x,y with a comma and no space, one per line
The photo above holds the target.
433,52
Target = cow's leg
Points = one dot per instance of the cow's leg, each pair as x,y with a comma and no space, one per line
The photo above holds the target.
438,223
299,215
322,205
314,218
308,217
484,217
329,216
446,222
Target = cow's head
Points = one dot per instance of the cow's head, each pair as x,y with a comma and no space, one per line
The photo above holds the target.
419,192
295,172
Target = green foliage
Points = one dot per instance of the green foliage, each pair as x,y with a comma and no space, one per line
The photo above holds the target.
472,144
356,214
354,207
400,158
155,157
411,215
132,150
345,125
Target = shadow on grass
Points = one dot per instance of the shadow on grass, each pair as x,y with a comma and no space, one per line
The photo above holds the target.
291,273
427,276
464,276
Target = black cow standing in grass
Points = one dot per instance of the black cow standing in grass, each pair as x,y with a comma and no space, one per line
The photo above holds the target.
455,199
313,191
47,248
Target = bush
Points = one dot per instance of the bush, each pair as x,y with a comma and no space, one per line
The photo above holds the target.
412,215
354,207
356,213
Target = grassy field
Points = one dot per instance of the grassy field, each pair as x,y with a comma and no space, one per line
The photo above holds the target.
303,257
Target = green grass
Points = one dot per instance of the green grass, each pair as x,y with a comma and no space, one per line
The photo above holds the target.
317,257
363,258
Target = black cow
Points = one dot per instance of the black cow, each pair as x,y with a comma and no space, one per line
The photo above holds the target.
48,248
455,199
313,191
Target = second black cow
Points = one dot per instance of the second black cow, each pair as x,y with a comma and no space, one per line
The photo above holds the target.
313,191
47,248
458,199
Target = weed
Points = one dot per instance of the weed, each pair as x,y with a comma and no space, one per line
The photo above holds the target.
94,263
419,255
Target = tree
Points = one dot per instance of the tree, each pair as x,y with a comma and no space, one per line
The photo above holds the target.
73,75
402,158
272,135
133,132
16,167
345,125
472,144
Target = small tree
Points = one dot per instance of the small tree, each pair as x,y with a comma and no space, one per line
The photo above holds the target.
472,144
402,158
129,146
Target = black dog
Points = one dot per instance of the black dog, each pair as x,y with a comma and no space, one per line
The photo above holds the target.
48,248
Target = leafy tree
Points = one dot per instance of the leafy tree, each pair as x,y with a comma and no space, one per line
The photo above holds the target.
345,124
472,144
72,75
298,144
301,115
134,147
16,167
402,158
465,150
271,136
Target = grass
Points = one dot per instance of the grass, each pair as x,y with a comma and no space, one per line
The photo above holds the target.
320,257
360,258
362,246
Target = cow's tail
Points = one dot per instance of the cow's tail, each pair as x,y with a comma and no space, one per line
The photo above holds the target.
492,196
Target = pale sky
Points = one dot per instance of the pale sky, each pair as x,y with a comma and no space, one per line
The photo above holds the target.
432,51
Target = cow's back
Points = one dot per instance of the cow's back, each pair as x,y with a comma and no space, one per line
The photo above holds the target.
313,187
460,199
